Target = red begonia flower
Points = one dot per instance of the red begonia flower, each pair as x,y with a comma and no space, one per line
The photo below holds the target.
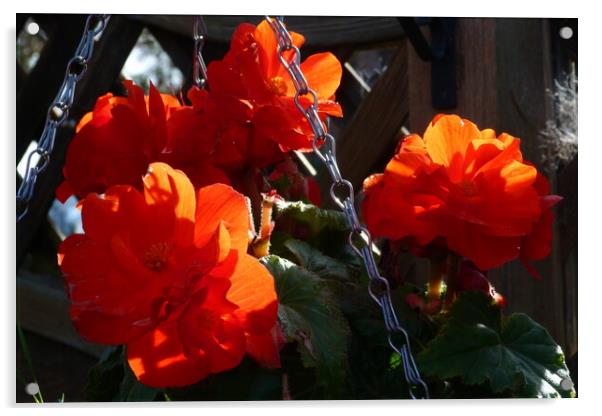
166,272
465,185
251,70
117,140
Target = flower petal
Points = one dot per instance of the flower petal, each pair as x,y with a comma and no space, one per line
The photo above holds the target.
323,72
254,293
158,359
217,203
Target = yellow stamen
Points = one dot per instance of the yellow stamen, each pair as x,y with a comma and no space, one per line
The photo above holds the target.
277,85
156,256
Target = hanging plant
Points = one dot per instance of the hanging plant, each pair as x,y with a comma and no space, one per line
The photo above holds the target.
208,266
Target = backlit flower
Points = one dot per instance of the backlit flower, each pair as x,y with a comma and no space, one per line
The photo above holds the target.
117,140
251,70
166,272
467,186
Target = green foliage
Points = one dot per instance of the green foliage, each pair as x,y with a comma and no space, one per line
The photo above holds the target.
309,315
312,259
131,390
512,355
247,381
317,218
112,380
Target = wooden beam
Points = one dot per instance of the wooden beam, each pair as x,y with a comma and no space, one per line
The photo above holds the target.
323,31
475,73
568,249
374,130
110,54
43,308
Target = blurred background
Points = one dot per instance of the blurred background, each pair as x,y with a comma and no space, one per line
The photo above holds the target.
514,75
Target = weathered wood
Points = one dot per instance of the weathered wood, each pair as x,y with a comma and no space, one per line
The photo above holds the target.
374,130
45,79
43,308
318,30
523,77
475,76
21,77
568,249
109,56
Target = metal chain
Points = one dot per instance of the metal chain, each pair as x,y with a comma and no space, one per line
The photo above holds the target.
199,68
342,193
59,110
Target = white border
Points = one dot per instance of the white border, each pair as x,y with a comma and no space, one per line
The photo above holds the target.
590,98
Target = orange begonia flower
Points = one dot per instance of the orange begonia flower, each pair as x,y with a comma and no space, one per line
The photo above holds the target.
117,140
251,70
167,273
467,186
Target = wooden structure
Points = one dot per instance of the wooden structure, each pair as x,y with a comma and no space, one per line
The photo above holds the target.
504,68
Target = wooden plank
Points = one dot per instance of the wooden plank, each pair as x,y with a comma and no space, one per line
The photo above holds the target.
110,54
21,77
45,79
568,242
374,130
43,308
318,30
475,73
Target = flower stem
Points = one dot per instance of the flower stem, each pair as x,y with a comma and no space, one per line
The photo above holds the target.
453,262
437,266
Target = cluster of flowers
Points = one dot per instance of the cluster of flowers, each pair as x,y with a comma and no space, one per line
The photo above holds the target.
246,121
467,191
163,266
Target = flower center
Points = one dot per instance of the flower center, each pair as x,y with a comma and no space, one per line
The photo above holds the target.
468,187
277,86
155,257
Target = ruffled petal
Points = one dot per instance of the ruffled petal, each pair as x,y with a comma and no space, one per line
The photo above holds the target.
447,138
158,359
171,197
217,203
323,72
254,293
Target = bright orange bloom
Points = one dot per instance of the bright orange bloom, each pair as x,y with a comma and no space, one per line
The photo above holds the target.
467,186
167,273
252,71
116,141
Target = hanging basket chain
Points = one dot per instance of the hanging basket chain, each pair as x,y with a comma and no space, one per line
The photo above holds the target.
341,191
59,110
198,63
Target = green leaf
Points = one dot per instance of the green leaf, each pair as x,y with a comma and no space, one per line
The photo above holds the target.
310,315
317,218
246,381
315,261
131,390
113,380
104,378
480,346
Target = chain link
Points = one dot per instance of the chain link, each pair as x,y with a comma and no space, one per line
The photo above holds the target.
342,194
59,110
199,68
